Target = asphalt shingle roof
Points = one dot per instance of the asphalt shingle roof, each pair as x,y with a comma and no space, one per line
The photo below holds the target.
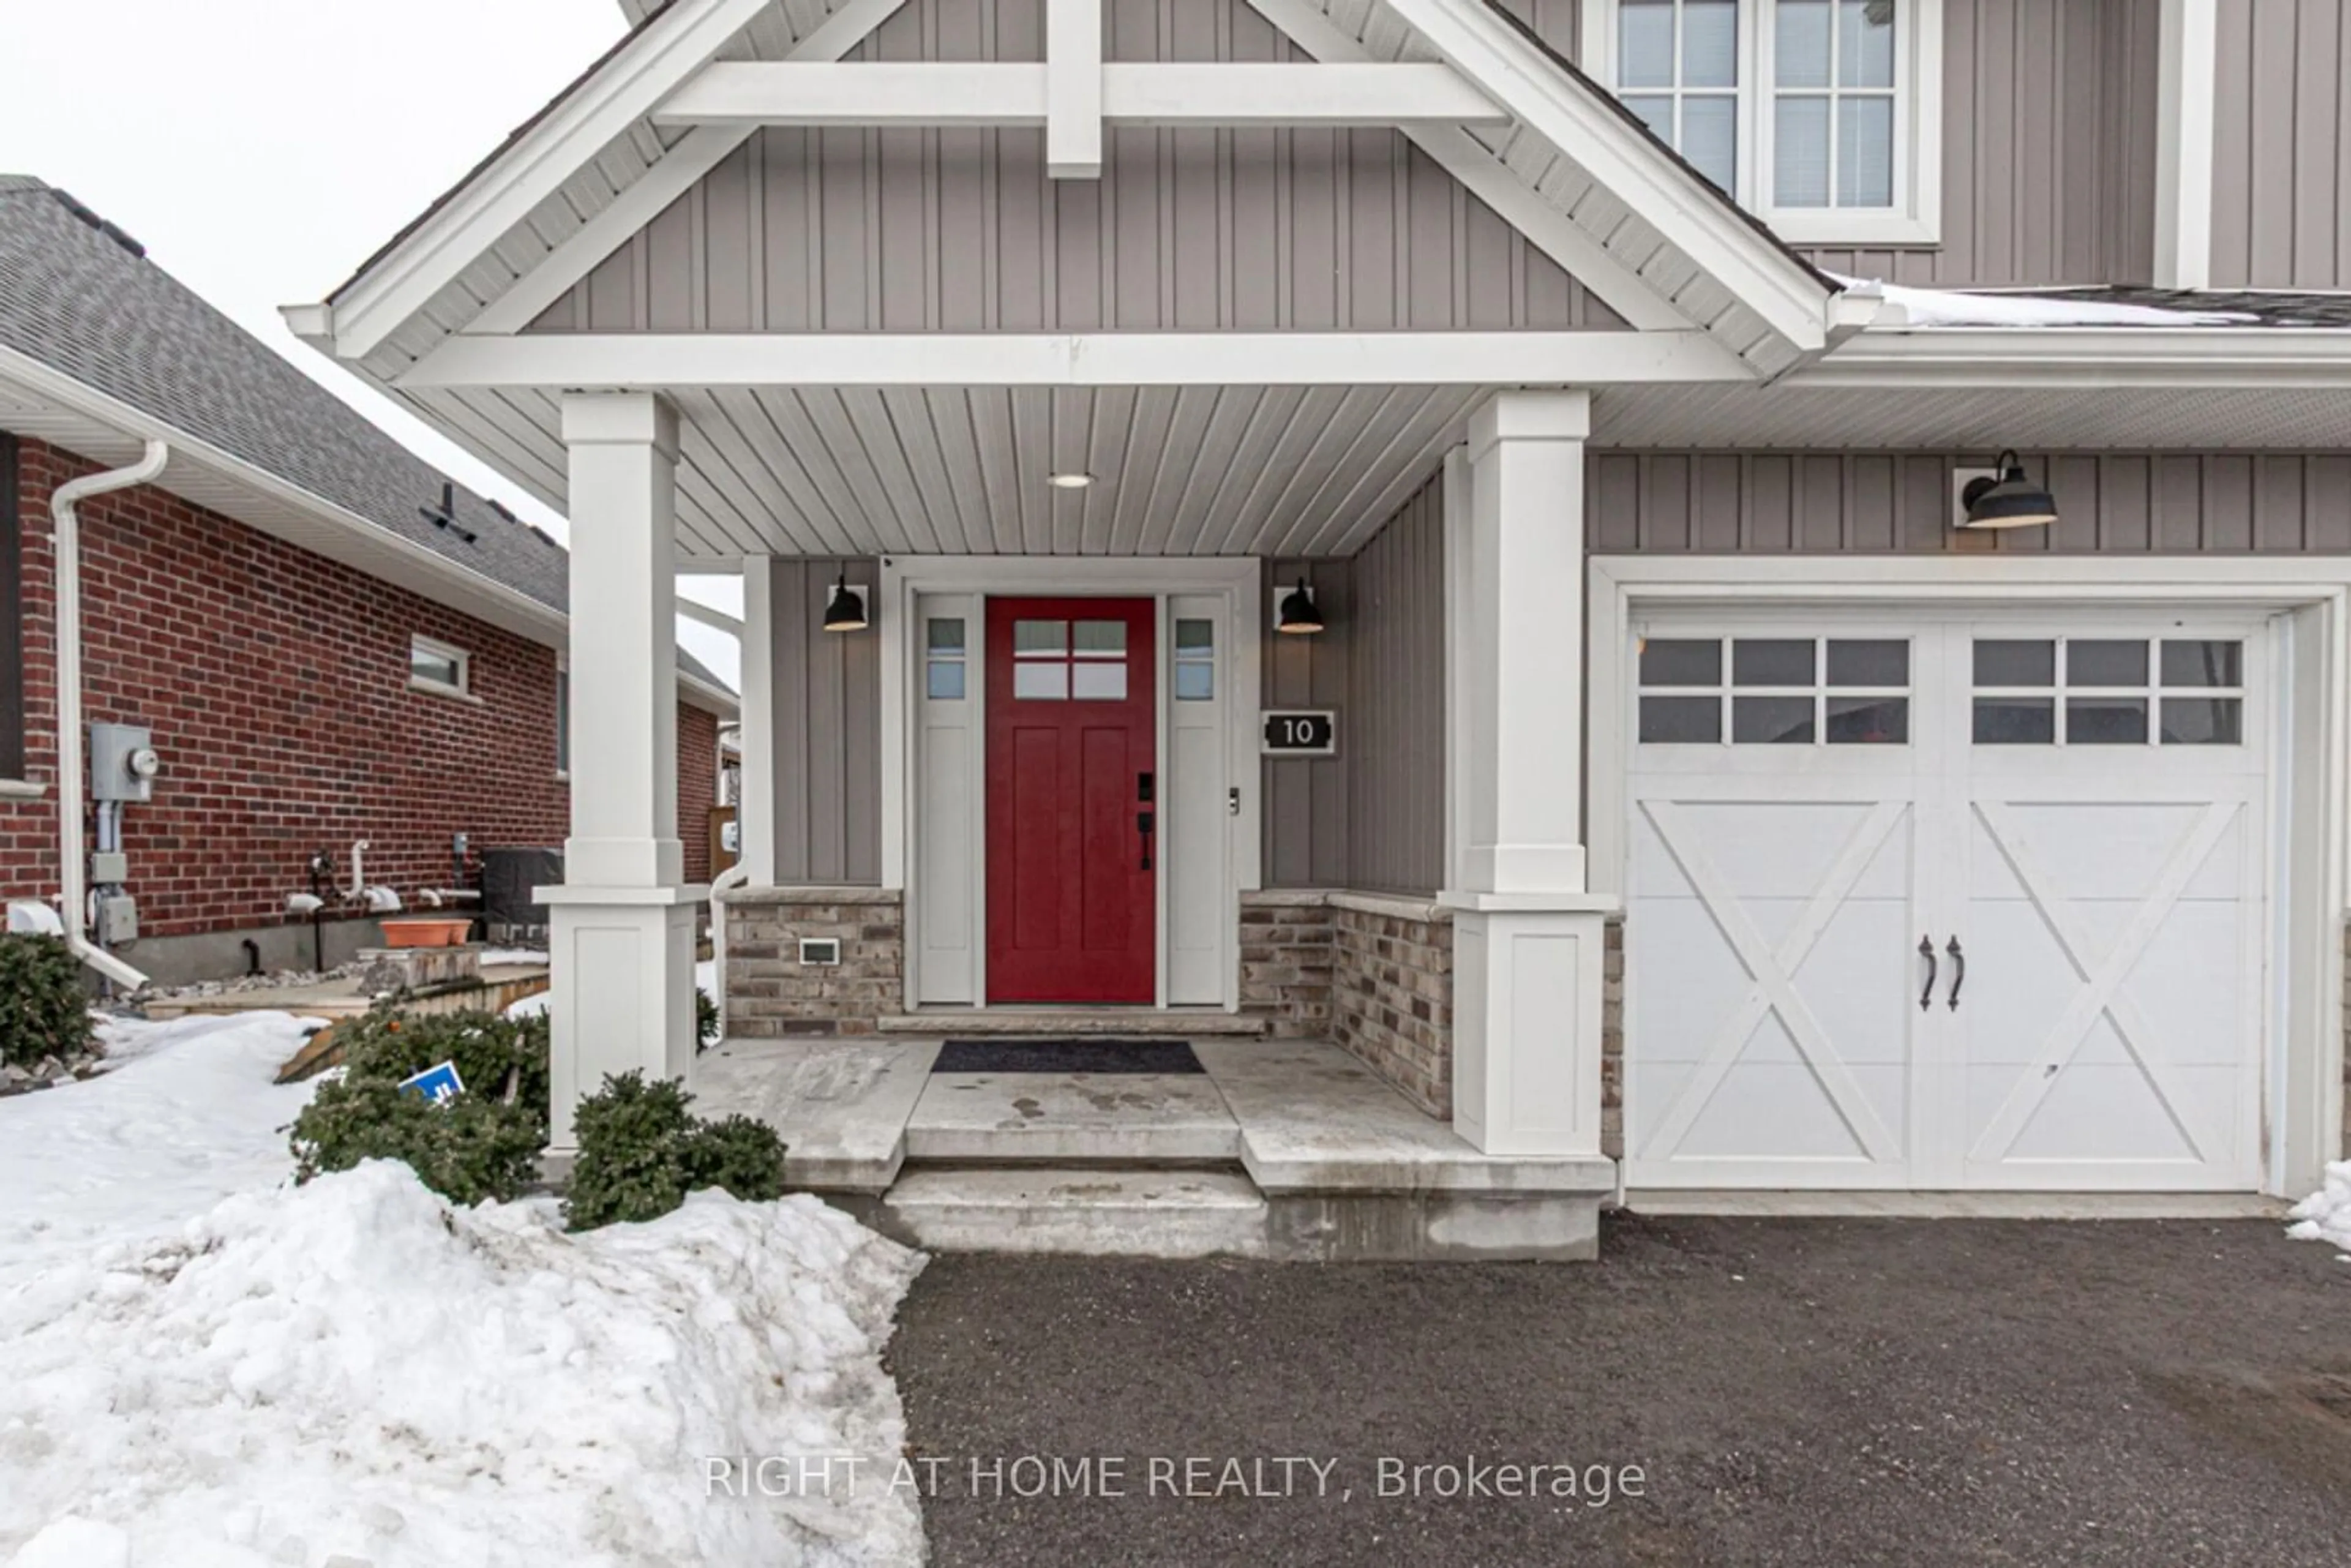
80,297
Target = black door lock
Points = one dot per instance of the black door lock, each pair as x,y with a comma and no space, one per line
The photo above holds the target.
1143,826
1143,788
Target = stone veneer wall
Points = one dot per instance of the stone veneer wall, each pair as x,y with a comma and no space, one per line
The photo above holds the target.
1372,975
1393,993
770,993
1611,1042
1286,961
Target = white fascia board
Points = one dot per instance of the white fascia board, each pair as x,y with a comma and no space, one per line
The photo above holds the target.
1687,212
375,550
710,699
670,177
624,89
736,93
2214,357
557,361
2188,55
1578,252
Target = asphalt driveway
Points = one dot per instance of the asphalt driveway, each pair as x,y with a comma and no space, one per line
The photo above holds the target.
1800,1391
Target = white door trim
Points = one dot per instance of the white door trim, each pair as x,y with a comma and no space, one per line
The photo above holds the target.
1238,580
2311,680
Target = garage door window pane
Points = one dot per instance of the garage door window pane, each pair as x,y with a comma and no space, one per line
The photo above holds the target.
2203,721
2102,662
1041,636
1773,662
2015,721
1681,721
1771,721
1868,721
2006,661
2203,663
1875,662
1681,661
2105,721
1042,682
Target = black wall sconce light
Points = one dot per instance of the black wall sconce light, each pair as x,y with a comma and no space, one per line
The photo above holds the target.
1297,615
2010,501
846,612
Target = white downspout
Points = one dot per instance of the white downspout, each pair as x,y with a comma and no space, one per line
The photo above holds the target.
72,870
735,875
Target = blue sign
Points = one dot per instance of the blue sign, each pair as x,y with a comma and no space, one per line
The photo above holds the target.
439,1084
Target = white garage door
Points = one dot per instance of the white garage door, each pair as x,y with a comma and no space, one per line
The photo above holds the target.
1947,903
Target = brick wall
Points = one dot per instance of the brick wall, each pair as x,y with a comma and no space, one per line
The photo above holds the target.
771,993
276,684
1391,993
697,787
1286,963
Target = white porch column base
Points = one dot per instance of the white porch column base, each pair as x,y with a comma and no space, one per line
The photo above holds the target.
1526,1025
622,997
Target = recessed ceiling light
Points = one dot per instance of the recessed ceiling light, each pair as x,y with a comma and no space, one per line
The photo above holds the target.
1070,480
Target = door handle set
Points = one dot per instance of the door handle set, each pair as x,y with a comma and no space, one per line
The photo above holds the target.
1958,970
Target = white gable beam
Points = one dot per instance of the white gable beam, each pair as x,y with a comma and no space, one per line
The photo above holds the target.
1458,153
702,151
1073,88
555,361
1687,212
2188,47
751,93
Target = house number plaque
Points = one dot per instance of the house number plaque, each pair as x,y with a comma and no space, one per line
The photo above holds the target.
1308,734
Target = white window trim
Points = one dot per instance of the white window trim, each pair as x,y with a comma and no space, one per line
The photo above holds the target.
418,642
1916,218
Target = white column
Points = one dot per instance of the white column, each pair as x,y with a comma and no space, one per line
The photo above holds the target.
1527,934
622,936
755,806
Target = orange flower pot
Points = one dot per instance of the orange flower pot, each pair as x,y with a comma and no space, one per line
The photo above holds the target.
425,933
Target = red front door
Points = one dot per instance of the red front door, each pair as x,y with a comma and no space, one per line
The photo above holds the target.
1072,730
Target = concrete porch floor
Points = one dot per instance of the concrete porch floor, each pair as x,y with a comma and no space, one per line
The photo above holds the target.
1279,1148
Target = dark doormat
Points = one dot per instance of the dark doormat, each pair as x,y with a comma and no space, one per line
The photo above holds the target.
1066,1056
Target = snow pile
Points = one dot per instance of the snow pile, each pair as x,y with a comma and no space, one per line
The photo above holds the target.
1948,308
184,1115
2326,1215
356,1368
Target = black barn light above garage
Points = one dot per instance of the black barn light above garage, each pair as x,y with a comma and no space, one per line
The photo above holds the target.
1298,615
846,612
2010,501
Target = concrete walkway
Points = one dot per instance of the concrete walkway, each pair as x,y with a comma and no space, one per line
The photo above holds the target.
1814,1393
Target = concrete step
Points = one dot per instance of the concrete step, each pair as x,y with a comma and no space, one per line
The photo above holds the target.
1123,1118
1096,1212
1065,1023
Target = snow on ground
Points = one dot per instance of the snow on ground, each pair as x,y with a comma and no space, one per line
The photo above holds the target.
2326,1215
1948,308
209,1368
185,1116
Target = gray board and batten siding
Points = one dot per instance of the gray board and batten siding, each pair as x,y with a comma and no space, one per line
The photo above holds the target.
2282,146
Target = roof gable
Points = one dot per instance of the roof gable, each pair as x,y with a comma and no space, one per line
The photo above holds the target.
1576,173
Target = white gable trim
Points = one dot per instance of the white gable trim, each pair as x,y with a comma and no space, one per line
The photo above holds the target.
1457,152
620,92
1691,215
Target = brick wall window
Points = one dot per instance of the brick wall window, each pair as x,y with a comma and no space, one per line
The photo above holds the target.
12,616
438,667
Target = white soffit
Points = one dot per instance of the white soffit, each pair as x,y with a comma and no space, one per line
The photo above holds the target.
1203,470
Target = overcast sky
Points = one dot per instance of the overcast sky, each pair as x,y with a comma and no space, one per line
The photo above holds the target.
262,149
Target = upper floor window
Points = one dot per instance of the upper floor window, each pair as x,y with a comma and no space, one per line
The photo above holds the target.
1821,116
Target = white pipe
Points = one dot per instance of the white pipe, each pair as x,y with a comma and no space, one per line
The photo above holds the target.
72,878
735,875
358,888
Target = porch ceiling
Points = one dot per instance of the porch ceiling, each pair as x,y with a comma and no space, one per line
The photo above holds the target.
1201,470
